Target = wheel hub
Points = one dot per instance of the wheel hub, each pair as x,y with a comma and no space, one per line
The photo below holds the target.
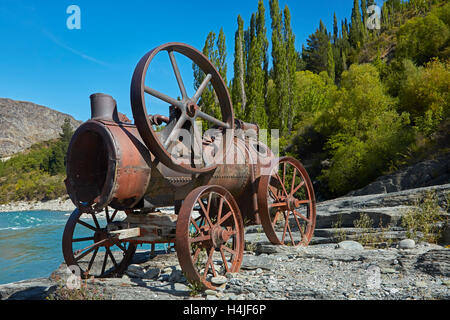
101,235
191,109
291,203
219,236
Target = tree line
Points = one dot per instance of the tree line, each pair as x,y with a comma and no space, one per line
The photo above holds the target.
356,99
37,174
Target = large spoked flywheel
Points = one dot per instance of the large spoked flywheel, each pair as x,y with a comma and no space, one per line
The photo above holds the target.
186,111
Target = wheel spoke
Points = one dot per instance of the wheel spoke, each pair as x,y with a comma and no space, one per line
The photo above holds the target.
299,226
95,220
224,259
298,187
298,214
225,217
276,217
279,204
92,259
282,184
107,215
293,180
164,97
219,214
215,121
206,213
105,260
285,227
200,238
202,87
174,131
208,263
195,257
195,225
121,247
229,250
271,189
290,232
112,258
84,224
89,249
178,75
82,239
114,215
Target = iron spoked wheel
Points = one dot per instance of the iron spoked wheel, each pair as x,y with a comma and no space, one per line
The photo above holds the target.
209,235
287,204
88,246
167,144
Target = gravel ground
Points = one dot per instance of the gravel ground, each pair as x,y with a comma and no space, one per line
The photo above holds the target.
318,272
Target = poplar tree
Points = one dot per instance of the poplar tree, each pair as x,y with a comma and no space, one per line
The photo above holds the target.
255,111
356,28
238,85
335,29
261,32
291,59
256,73
208,101
279,113
330,62
221,62
364,17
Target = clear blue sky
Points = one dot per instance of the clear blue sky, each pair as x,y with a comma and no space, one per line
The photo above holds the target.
42,61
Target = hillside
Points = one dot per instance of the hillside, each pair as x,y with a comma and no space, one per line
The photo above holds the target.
23,124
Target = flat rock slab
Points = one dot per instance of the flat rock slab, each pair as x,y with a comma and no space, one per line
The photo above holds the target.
34,289
254,262
435,262
387,207
350,245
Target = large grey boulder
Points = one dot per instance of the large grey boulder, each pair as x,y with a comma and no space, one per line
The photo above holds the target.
422,174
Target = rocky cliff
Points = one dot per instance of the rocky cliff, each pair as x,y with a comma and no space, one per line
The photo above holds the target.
423,174
23,124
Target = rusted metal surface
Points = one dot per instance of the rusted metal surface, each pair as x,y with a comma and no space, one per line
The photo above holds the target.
100,245
287,203
158,143
209,228
114,165
107,164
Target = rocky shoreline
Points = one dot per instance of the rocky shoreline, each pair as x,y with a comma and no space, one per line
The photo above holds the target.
62,204
328,269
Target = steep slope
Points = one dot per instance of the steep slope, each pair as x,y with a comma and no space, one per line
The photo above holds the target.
23,124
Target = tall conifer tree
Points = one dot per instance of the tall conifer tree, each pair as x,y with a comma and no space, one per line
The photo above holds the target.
279,112
238,85
291,60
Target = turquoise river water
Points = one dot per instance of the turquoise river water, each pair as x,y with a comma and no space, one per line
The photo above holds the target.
30,244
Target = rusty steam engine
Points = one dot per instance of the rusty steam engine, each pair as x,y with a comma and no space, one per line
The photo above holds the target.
121,176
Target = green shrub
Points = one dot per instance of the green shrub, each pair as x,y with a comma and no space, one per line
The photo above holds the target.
425,94
422,221
421,38
371,132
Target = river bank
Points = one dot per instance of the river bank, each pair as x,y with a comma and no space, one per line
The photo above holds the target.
61,204
327,269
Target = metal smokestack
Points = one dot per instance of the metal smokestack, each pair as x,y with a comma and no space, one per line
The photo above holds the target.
103,107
